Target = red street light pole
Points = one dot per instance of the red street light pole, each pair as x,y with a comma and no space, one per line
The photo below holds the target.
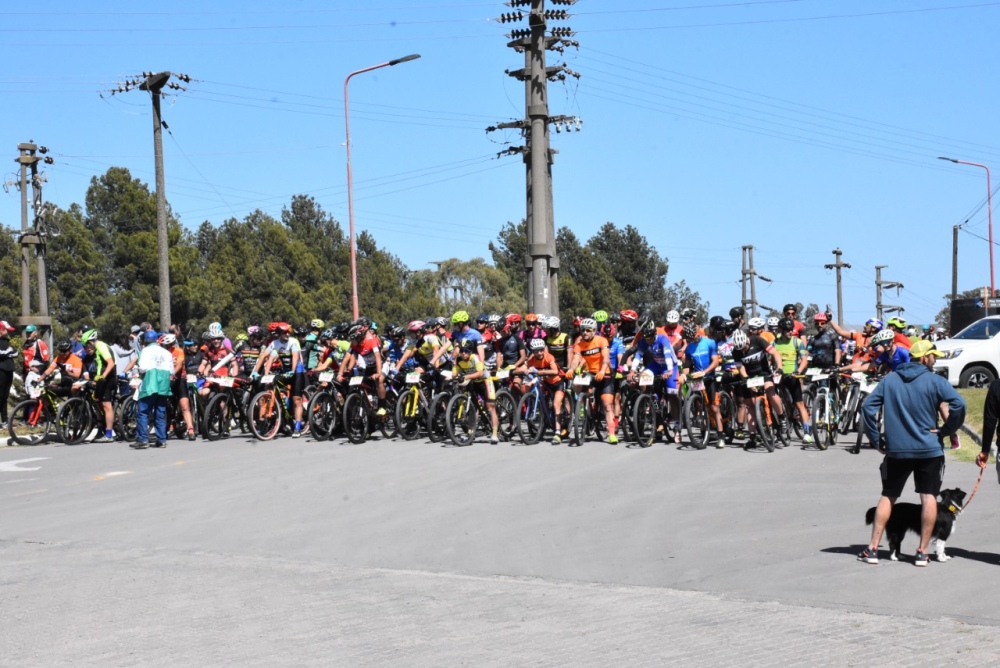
350,183
989,215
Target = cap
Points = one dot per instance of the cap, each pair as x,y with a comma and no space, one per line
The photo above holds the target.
29,329
151,336
136,329
923,348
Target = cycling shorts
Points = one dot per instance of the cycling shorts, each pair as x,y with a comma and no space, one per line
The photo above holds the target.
104,389
179,387
485,389
298,383
794,387
606,386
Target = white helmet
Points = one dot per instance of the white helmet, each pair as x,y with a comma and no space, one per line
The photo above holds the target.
756,323
673,317
588,323
537,344
740,339
215,329
553,322
772,322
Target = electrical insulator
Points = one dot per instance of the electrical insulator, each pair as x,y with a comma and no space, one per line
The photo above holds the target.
556,15
579,124
518,34
562,32
518,3
147,74
563,2
183,77
511,17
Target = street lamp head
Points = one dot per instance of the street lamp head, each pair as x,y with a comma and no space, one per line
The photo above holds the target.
948,159
397,61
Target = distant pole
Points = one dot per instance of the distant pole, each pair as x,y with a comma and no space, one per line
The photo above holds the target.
954,262
154,84
838,265
989,215
350,181
25,252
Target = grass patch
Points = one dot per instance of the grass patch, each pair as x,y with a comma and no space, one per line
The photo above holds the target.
974,399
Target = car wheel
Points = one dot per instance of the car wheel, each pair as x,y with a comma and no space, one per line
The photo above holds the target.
976,376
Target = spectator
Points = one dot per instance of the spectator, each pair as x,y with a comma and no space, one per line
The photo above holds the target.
156,366
36,353
7,355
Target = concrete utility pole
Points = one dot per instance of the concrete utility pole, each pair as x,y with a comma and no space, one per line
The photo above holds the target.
838,265
154,83
749,277
954,262
542,261
35,235
881,285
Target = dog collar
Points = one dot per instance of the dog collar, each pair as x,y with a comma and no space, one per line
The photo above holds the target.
953,509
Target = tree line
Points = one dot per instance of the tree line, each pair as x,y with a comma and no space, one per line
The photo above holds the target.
102,269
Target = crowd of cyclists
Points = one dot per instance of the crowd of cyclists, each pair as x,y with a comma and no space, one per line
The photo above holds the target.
606,358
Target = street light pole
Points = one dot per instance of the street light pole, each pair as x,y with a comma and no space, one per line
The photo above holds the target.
989,215
350,182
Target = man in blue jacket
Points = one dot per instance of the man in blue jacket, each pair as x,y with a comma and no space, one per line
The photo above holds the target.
911,399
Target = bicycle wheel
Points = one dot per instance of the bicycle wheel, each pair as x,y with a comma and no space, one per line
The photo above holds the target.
219,417
462,420
625,417
529,418
356,419
411,414
581,413
727,408
820,418
781,432
794,417
265,415
323,413
764,427
850,411
31,422
643,420
506,407
696,420
74,421
437,417
127,412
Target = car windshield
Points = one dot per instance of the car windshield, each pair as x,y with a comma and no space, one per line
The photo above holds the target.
983,329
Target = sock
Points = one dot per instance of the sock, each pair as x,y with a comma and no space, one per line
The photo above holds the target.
805,427
298,425
108,433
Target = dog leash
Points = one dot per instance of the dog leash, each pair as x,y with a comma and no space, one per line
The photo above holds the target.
982,469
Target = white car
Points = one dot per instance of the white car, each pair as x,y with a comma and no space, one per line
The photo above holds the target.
972,357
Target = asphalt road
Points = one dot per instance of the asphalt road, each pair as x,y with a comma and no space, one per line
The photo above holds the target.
295,552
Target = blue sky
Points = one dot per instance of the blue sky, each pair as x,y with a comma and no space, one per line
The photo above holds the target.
797,126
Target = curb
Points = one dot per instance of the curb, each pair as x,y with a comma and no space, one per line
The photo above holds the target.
972,434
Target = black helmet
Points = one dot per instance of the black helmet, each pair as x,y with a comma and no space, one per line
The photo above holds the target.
468,346
788,307
65,346
326,334
717,322
615,317
786,324
688,313
341,329
729,327
647,327
395,331
482,319
301,330
737,312
690,330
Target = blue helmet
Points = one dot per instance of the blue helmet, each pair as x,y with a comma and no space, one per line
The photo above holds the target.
151,336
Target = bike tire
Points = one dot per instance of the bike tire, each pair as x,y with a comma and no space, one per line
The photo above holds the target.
581,411
462,420
219,416
764,427
819,416
437,417
75,421
506,407
411,419
30,422
265,415
323,415
850,411
696,420
794,417
782,432
644,420
128,412
357,421
529,418
728,410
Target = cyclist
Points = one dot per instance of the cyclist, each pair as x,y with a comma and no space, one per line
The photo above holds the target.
463,332
532,330
69,366
898,325
250,349
178,379
861,340
313,344
365,354
755,327
656,353
604,326
542,363
756,358
824,346
772,325
286,350
469,367
215,329
888,355
701,359
738,315
627,329
99,356
729,377
216,361
593,353
512,350
794,360
789,312
420,347
395,344
558,342
673,329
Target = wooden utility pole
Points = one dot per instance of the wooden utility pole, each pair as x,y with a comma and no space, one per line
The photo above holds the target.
838,265
33,235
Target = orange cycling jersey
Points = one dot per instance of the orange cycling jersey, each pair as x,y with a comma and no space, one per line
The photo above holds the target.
591,352
544,364
67,363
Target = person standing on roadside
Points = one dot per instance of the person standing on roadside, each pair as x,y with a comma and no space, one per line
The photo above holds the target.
7,355
910,400
991,411
156,366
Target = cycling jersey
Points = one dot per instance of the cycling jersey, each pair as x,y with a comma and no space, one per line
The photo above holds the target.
213,357
559,347
862,343
673,332
69,365
469,334
767,336
364,352
544,364
249,355
791,350
312,350
472,365
101,358
823,347
591,353
725,348
902,340
423,347
899,356
756,359
510,351
284,351
701,353
658,356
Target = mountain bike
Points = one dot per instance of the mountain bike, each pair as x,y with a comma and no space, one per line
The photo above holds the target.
226,409
33,420
467,415
823,413
271,408
361,412
325,407
535,412
412,405
588,411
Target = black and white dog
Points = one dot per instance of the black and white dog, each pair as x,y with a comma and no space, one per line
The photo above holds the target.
906,517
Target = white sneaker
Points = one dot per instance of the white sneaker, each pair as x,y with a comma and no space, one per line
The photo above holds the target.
807,438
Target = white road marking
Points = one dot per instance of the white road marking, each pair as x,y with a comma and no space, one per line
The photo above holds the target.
111,473
12,466
10,482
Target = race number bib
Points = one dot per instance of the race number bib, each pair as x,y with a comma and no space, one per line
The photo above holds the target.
582,381
755,382
645,379
356,380
413,378
326,377
501,375
697,385
267,379
224,382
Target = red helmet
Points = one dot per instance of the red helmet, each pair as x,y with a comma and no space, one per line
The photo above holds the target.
820,317
279,327
629,315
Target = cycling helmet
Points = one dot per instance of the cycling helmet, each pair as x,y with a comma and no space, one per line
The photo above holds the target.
495,319
553,322
729,327
531,317
820,317
688,314
789,307
482,319
167,339
601,316
468,346
254,330
740,339
673,317
216,329
513,319
628,315
897,322
417,326
188,343
883,337
150,336
737,312
690,330
65,346
615,317
282,327
374,326
772,322
537,344
646,327
90,336
326,334
588,323
459,317
786,325
206,336
395,331
756,323
241,337
874,323
717,322
301,330
357,332
317,324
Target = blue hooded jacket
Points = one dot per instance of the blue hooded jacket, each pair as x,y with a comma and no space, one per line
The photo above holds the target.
910,398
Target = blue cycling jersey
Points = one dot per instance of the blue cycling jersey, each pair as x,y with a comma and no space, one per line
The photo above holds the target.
468,335
701,353
615,351
901,356
659,356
